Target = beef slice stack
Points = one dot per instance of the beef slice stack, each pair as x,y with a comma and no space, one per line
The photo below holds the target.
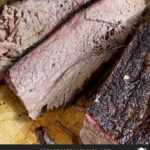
121,111
55,70
24,23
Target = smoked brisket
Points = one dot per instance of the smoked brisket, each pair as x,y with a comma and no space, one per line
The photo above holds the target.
121,111
54,71
24,23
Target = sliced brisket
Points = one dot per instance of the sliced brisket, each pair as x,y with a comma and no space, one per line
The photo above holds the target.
24,23
55,70
121,112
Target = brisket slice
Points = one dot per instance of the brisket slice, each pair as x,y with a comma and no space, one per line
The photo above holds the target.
24,23
55,70
121,112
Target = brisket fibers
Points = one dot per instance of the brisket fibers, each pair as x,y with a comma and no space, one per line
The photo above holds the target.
54,71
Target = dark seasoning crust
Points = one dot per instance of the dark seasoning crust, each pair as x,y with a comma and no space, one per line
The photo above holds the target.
122,106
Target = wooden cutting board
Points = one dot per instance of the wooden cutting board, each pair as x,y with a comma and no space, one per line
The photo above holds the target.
17,128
